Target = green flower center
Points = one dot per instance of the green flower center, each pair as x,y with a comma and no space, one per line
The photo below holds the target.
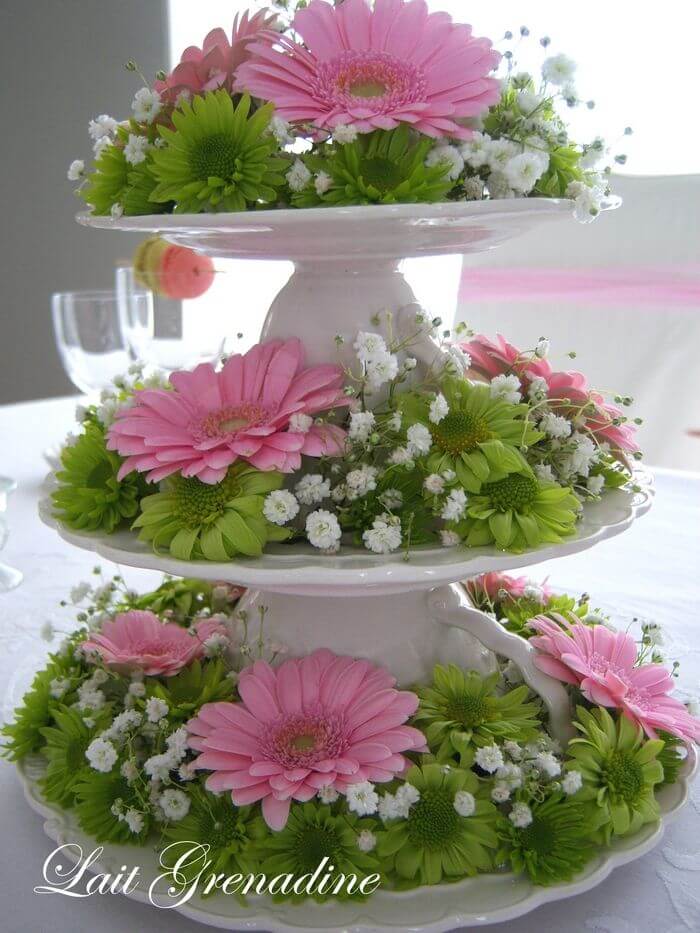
382,174
624,777
539,837
514,492
313,844
433,820
217,156
460,432
368,89
221,829
198,503
468,710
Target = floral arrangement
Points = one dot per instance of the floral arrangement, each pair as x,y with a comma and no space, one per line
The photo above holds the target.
345,103
487,445
168,718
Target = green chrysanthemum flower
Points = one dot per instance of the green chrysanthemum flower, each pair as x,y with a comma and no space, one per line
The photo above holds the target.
436,841
89,495
184,600
198,521
195,685
671,756
213,821
479,438
66,743
517,512
620,769
383,167
313,833
516,613
554,847
116,181
463,709
95,795
218,157
24,734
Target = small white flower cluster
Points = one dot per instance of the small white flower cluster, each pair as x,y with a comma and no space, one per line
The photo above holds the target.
298,176
312,489
280,507
362,424
146,105
102,131
344,134
136,148
281,130
361,481
362,798
398,806
133,818
323,530
90,697
513,168
159,766
534,767
384,536
379,364
215,645
455,506
589,197
101,754
464,803
506,389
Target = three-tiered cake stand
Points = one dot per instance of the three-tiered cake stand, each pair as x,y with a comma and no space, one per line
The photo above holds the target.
404,614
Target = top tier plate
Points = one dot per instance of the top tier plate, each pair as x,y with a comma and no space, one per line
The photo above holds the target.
387,231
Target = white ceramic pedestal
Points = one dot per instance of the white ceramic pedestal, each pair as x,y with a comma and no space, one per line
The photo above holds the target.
346,271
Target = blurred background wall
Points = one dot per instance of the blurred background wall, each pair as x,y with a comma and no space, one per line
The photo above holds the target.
64,64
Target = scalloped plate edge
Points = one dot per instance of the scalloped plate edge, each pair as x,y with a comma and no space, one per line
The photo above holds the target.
310,571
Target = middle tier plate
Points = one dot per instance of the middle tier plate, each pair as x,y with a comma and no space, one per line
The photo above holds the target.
299,569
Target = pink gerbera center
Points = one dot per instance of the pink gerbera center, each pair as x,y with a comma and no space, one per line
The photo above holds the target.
227,422
369,77
303,740
601,665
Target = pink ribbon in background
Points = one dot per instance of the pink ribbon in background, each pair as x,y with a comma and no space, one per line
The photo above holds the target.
634,286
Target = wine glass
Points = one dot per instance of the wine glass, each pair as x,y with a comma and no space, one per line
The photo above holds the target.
171,333
10,577
89,338
223,311
89,342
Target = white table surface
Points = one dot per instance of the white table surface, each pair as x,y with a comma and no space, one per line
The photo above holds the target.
652,571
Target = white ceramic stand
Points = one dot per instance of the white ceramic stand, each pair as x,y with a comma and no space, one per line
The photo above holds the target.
346,272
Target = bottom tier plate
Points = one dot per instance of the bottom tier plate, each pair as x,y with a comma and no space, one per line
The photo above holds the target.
472,902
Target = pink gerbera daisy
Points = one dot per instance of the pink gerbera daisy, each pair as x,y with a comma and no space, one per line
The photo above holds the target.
569,393
322,721
139,641
216,63
601,664
490,587
246,411
491,358
375,68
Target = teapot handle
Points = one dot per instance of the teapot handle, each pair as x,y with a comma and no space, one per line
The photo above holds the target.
450,606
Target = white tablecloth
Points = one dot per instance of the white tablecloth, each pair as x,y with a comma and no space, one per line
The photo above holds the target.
651,571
